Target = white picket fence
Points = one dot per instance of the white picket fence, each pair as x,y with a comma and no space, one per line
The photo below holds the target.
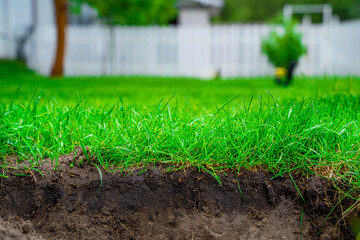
7,45
234,50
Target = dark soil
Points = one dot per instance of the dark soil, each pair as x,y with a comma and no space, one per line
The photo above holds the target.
66,204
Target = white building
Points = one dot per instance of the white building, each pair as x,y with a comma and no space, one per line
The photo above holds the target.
198,12
17,15
19,18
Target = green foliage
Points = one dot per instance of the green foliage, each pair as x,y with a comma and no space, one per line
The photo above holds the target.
133,12
281,49
138,12
355,226
267,10
249,10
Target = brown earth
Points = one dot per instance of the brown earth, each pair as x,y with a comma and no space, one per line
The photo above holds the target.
188,204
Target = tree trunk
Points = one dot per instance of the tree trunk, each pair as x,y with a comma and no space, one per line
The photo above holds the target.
61,20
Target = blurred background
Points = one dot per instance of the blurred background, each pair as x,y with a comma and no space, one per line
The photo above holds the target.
200,38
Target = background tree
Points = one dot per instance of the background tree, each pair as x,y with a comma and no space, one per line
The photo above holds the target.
133,12
113,12
271,10
61,20
162,12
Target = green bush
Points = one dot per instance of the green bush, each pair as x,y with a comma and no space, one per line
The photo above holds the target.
283,48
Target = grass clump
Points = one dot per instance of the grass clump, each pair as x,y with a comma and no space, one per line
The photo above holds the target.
313,136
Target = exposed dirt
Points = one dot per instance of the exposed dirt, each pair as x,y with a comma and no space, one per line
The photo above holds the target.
66,204
15,228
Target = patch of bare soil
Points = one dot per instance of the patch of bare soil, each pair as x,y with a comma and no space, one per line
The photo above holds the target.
66,204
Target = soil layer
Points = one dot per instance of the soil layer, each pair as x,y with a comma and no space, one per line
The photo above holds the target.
156,204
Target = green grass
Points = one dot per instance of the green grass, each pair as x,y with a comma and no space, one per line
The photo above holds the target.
311,127
143,92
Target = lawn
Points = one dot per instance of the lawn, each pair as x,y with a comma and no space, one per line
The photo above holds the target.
310,127
144,92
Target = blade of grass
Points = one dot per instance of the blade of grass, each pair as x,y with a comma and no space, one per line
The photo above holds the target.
101,179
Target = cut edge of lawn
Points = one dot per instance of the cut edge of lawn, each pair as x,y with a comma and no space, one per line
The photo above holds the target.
340,202
82,157
248,197
224,131
327,128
